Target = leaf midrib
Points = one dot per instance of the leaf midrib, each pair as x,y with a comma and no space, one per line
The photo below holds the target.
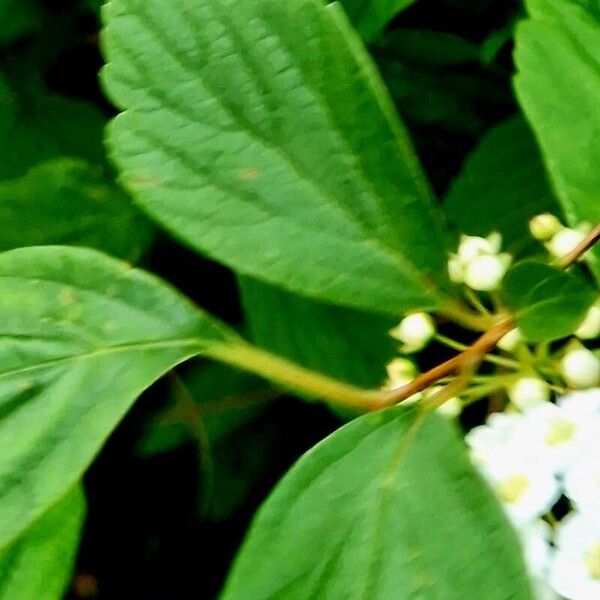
193,343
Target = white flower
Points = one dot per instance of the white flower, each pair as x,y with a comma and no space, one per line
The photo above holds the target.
580,368
526,392
535,539
584,402
582,482
526,489
415,331
552,435
575,570
471,246
564,242
484,273
544,226
510,341
543,591
489,442
589,328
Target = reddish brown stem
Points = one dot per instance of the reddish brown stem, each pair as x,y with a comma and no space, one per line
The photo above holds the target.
468,359
592,238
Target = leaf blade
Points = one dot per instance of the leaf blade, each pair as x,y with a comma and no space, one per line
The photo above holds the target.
359,527
289,174
371,16
548,303
38,565
82,336
343,343
558,87
501,186
68,201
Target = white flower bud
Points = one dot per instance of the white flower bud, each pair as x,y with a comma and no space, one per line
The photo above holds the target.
589,328
564,242
543,227
511,340
456,269
414,331
526,392
472,246
451,408
580,368
400,371
485,273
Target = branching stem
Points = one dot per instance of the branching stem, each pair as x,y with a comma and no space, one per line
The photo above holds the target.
316,385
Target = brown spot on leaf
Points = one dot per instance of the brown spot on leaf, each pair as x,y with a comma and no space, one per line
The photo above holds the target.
249,174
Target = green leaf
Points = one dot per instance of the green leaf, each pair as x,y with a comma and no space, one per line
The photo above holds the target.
260,133
224,400
67,201
387,508
18,18
436,80
243,463
347,344
223,412
497,39
548,303
433,49
38,566
81,336
42,127
502,185
558,86
371,16
8,112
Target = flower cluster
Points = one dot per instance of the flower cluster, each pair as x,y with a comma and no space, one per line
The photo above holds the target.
542,457
544,461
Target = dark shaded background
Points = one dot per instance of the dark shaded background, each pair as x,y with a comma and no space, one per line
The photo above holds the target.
145,535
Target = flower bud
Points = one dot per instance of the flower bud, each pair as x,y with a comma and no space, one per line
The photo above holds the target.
414,331
472,246
511,340
485,273
400,371
526,392
580,368
456,269
545,226
451,408
564,242
589,328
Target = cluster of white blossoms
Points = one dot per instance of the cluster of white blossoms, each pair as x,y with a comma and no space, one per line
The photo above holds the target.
534,456
541,456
